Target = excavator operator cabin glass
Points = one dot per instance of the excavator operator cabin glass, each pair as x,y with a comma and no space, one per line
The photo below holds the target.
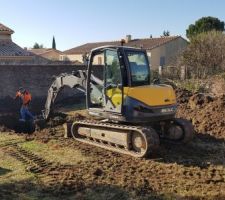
96,95
113,82
139,68
112,68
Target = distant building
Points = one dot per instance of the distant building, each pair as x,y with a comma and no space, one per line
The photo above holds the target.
50,54
161,51
9,51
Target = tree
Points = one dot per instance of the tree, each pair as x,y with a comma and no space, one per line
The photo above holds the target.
204,24
38,46
53,43
166,33
205,54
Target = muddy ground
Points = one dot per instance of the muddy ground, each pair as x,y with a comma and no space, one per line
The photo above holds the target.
192,171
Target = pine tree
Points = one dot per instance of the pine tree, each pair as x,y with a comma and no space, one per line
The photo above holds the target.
166,33
53,43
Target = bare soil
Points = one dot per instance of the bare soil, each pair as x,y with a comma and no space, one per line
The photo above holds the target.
207,113
192,171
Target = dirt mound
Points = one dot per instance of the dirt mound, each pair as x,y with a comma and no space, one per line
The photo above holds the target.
199,100
216,86
206,113
183,95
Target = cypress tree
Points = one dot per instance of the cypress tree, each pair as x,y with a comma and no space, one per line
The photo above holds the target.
53,43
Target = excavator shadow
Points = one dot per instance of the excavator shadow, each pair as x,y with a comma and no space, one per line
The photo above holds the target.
202,151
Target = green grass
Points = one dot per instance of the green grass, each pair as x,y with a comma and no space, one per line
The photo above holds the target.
16,182
53,152
192,85
12,170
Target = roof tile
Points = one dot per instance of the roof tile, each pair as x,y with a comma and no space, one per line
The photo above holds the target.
148,44
43,51
9,48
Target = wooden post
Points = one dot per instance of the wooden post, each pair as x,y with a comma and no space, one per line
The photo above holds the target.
183,72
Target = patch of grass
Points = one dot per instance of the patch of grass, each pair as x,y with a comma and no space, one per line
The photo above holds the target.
18,183
192,85
53,152
9,137
12,170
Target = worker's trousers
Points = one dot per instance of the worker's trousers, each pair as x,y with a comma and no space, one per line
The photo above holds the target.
25,114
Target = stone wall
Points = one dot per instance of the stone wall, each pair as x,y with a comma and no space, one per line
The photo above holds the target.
36,78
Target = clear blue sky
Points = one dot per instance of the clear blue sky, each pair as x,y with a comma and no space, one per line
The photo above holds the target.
75,22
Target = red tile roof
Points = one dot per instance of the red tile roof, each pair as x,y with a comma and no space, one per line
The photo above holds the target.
4,28
43,51
148,44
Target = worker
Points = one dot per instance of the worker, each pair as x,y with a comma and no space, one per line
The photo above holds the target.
25,97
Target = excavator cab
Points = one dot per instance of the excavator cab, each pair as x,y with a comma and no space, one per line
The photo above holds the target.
105,64
125,92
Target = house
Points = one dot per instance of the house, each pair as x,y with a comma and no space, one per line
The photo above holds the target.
49,53
161,51
9,51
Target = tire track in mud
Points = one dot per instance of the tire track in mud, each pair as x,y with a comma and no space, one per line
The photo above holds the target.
54,177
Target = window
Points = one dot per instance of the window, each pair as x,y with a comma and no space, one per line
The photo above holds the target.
140,72
113,82
112,68
96,87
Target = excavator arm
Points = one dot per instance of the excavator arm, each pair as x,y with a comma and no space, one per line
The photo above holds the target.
76,80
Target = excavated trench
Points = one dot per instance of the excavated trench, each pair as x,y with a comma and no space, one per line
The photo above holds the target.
8,121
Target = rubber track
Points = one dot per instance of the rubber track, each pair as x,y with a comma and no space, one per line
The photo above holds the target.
149,134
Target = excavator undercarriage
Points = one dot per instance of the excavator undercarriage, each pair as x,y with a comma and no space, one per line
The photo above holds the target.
137,141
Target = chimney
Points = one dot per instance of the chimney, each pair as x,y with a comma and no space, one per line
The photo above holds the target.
128,38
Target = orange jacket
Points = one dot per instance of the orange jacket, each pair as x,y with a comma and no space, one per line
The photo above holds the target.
26,97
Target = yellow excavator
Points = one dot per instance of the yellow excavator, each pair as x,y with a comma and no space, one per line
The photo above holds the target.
130,114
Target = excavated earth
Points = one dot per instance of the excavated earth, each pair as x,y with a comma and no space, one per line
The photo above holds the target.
206,113
192,171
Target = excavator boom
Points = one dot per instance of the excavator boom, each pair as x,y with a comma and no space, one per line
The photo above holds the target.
74,80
